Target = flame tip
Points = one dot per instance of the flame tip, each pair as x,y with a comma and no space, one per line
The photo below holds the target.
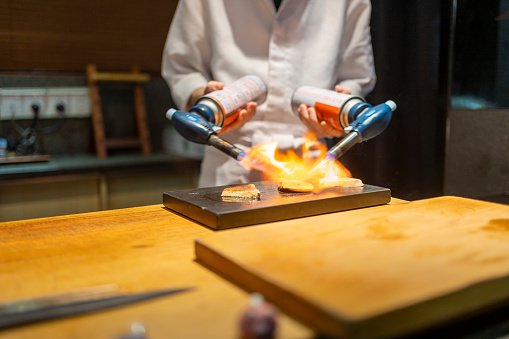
315,166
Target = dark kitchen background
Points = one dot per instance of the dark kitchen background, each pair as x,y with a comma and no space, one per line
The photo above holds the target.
443,62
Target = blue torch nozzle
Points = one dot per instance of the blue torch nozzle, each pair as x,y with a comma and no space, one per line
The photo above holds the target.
374,121
196,128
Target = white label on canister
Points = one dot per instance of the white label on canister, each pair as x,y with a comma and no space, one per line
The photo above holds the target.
237,95
311,95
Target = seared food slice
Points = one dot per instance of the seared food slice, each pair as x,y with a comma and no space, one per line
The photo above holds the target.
294,185
349,182
243,191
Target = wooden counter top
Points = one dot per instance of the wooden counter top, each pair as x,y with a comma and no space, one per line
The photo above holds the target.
142,249
139,249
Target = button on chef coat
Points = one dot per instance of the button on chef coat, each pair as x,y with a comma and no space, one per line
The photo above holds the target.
318,43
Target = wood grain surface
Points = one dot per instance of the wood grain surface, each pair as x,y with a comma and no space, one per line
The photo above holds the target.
376,272
138,249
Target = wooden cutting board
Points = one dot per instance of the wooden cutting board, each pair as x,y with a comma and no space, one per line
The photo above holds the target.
374,272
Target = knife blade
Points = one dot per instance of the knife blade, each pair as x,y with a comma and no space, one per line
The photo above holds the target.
73,303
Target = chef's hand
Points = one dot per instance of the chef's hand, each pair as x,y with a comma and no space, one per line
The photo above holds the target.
245,114
320,128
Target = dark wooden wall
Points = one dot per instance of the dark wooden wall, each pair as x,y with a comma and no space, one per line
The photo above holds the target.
411,41
63,35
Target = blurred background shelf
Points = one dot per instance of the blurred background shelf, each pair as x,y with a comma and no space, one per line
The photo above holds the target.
85,183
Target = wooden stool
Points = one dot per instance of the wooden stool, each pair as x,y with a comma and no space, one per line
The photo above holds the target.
102,143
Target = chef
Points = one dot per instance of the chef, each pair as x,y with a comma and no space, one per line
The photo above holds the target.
288,43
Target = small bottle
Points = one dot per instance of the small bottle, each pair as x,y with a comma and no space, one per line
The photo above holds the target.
338,109
258,321
221,107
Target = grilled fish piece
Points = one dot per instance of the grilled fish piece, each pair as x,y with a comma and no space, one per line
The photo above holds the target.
244,191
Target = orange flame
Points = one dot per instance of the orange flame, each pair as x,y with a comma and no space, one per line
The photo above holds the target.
312,166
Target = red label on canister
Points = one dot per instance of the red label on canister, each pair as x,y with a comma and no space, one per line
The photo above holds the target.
328,113
231,118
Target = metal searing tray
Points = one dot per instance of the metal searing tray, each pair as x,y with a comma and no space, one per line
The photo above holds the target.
205,205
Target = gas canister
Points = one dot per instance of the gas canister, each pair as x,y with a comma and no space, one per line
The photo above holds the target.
222,106
338,109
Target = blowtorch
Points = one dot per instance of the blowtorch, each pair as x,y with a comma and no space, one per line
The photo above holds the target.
196,126
359,120
368,123
218,109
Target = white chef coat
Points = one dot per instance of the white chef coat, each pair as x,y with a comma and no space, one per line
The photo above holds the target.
319,43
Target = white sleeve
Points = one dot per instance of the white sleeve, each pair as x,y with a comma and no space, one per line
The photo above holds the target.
186,54
357,70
